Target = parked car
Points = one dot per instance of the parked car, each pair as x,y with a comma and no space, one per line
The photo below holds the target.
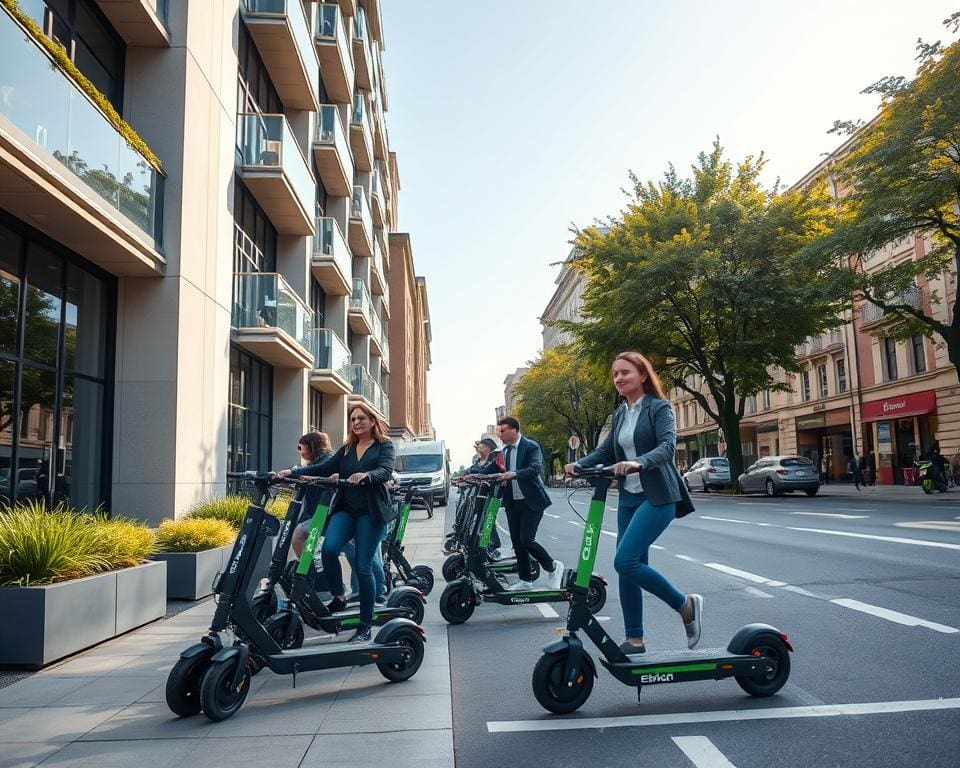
708,474
774,475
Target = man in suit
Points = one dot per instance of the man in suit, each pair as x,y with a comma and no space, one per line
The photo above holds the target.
525,498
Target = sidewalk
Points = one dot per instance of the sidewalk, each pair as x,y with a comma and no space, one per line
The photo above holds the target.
106,707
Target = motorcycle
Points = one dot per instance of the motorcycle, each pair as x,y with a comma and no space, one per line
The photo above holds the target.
931,478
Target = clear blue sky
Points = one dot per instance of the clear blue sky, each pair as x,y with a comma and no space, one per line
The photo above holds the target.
513,118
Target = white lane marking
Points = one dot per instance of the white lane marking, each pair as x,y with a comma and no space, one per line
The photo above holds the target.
555,538
933,525
832,514
756,592
656,546
687,558
726,520
701,752
804,592
602,618
608,533
856,509
547,611
745,575
768,525
894,616
550,514
575,522
893,539
722,716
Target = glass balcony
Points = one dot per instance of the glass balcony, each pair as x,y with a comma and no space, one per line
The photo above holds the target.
361,309
331,367
377,205
139,22
276,172
333,50
282,35
365,386
162,9
272,320
361,50
374,20
361,223
378,277
361,136
51,112
332,262
331,153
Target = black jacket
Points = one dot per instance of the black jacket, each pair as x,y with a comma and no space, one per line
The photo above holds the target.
377,462
529,476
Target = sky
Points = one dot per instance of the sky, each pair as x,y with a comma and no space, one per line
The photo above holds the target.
515,119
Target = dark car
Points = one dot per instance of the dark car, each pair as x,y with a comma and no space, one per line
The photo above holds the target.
774,475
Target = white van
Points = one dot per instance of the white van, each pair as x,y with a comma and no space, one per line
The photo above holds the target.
425,462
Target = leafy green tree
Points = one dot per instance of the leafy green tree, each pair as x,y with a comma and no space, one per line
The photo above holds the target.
563,394
902,178
703,276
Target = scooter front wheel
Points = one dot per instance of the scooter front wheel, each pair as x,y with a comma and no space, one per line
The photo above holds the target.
264,605
775,680
596,595
453,567
397,672
276,627
550,689
409,600
219,697
424,575
456,603
183,685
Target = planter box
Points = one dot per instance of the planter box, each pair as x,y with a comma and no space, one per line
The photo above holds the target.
57,620
190,575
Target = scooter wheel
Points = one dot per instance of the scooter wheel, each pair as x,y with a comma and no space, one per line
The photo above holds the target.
775,680
408,600
398,672
450,545
424,574
264,605
453,567
550,689
456,604
218,696
183,685
596,595
276,627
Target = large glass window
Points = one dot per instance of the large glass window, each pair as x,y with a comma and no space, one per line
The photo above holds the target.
805,385
55,342
821,381
888,350
249,426
919,359
315,410
841,375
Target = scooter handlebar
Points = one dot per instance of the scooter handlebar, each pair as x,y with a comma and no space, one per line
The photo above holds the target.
600,471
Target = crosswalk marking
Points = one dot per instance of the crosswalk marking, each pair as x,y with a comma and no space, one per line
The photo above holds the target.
745,575
701,752
547,611
894,616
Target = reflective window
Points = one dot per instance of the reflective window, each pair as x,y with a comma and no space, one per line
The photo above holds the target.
249,421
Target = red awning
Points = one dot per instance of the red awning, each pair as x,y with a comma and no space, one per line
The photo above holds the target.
915,404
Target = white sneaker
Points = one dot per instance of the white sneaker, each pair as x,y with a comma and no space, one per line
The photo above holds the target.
555,577
520,586
694,628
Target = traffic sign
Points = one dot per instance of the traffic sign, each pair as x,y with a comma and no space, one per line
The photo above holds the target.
573,442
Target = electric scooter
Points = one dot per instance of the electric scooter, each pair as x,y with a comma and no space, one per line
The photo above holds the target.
304,603
758,656
397,570
480,584
215,678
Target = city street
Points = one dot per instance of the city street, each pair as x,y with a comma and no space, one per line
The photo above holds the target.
865,586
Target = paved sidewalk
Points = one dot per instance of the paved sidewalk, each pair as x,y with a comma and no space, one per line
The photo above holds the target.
106,707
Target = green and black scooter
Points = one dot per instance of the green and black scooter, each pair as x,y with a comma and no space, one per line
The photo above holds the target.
215,678
758,656
396,569
480,584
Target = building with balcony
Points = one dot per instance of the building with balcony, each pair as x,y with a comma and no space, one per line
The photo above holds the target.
192,242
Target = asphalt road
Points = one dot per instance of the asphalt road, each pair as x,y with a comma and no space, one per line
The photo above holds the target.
868,592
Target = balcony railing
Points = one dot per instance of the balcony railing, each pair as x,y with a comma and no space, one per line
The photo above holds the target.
333,49
366,386
334,166
816,343
330,353
50,110
360,300
360,208
361,50
330,246
361,224
377,273
871,313
361,134
266,300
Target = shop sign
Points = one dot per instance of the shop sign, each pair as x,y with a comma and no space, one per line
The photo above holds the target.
815,421
915,404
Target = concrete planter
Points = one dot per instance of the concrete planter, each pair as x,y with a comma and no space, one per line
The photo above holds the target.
190,575
57,620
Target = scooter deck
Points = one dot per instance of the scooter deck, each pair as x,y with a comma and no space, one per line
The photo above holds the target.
678,656
336,655
686,666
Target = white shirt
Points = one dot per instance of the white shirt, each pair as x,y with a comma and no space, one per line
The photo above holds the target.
631,483
512,464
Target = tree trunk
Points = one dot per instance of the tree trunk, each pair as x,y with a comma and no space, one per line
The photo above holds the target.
730,423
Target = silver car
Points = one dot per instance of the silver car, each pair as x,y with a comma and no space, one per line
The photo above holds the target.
707,474
774,475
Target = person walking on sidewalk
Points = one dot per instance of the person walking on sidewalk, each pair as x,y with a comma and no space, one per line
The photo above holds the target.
644,437
854,467
525,498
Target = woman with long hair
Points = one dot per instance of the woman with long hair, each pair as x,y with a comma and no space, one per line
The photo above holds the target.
641,447
359,512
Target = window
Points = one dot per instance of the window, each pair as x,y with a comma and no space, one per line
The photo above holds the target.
888,352
250,423
841,366
766,399
805,386
821,380
315,410
751,405
917,354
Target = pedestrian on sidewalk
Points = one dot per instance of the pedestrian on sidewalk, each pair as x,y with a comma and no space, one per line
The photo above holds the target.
644,438
854,467
823,471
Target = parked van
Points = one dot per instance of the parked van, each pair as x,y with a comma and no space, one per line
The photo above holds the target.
425,462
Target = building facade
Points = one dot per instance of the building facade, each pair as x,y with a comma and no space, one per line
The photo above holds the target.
188,289
566,302
510,399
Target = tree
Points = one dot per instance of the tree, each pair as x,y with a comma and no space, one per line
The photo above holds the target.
563,394
903,176
703,276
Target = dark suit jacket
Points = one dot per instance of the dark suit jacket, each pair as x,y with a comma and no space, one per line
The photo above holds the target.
377,462
655,449
529,476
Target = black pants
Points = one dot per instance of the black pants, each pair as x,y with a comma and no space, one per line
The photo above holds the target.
523,522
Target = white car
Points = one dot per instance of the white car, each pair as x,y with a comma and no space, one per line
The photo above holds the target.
708,474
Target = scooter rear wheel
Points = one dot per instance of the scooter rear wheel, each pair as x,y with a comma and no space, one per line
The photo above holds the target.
775,680
456,604
264,605
453,567
218,696
596,595
398,672
408,600
550,689
276,627
183,685
424,574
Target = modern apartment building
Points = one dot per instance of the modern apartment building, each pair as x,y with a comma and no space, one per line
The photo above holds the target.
185,298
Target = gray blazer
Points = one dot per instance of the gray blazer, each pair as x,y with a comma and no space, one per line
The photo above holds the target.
655,449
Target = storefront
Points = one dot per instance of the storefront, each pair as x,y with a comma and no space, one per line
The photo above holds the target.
692,448
899,430
768,438
828,435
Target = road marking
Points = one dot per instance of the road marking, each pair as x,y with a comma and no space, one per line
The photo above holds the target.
701,752
722,716
602,618
894,616
550,514
575,522
725,519
687,558
767,525
832,514
855,509
745,575
756,592
933,525
656,546
547,611
893,539
503,530
804,592
608,533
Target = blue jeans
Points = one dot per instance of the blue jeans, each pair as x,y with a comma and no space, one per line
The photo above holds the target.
639,524
367,535
350,552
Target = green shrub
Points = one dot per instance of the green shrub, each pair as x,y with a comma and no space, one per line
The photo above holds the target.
277,506
194,534
233,509
125,542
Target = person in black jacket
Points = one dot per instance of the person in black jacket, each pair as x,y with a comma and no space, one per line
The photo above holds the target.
489,462
359,512
313,447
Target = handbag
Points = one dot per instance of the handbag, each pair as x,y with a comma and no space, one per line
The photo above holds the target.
685,505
